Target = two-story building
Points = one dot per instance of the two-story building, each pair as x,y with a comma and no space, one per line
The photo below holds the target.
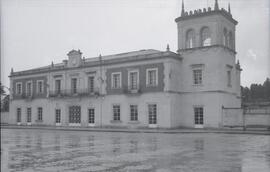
146,88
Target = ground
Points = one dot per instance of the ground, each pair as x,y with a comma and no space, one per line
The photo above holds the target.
59,150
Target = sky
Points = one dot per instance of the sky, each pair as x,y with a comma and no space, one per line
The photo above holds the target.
36,32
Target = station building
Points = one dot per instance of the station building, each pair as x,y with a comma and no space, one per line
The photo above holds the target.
146,88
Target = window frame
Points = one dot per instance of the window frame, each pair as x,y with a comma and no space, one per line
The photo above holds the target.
26,88
91,90
74,90
18,83
55,86
56,116
42,86
91,119
28,114
200,81
19,115
130,85
120,80
198,118
116,117
153,117
135,114
147,77
40,114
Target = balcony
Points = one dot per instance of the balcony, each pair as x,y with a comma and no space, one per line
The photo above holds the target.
74,93
132,90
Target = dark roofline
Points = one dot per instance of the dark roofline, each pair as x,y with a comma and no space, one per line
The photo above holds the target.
106,62
207,13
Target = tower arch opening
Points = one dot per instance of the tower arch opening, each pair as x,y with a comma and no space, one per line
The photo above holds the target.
205,36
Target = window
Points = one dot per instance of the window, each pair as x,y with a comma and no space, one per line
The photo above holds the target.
152,113
151,77
39,87
58,86
230,40
116,80
29,88
29,114
133,80
40,111
225,37
198,111
190,38
91,116
19,88
133,112
197,76
229,78
205,37
74,85
74,114
19,115
57,115
116,112
91,84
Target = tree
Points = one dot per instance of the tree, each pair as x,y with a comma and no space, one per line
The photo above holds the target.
2,90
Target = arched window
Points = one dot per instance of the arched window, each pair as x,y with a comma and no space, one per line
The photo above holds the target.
225,37
190,38
205,37
230,40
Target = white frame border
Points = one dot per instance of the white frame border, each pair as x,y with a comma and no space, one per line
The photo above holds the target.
147,77
120,84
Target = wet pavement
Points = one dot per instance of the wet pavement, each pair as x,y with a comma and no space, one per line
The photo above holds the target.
52,150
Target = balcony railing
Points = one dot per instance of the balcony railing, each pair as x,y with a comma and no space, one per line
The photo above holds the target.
132,90
74,93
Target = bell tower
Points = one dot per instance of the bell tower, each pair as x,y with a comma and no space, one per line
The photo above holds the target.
206,27
210,75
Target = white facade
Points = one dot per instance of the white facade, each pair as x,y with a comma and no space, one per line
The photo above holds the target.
168,90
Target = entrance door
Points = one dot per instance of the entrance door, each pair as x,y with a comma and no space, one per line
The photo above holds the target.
198,117
91,117
75,115
152,115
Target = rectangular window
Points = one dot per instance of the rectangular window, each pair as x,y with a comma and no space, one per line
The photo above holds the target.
29,115
133,80
40,112
229,79
133,112
152,113
39,87
57,115
198,112
151,76
58,86
29,88
197,76
18,88
75,114
91,84
116,80
74,85
91,116
116,112
19,114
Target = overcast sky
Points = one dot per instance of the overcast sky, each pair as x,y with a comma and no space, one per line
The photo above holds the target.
36,32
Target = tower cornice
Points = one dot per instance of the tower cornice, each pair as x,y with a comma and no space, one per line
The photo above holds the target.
200,13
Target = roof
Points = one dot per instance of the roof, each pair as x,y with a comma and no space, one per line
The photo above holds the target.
106,60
